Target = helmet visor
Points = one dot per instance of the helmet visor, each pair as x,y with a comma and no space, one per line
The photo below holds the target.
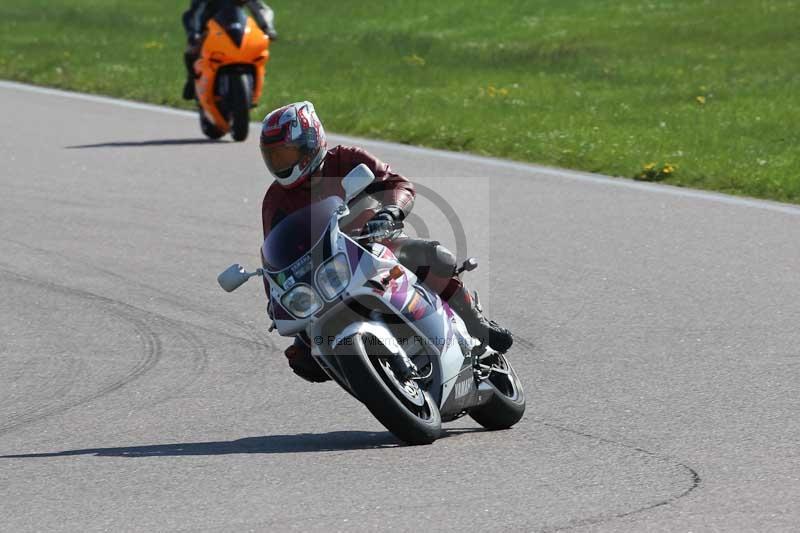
281,158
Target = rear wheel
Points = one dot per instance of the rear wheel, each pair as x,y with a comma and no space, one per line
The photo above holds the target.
508,399
240,95
402,406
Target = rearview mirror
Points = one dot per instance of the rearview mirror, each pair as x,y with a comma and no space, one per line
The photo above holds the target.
468,266
356,181
233,277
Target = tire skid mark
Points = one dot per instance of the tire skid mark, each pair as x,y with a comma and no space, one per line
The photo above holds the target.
257,341
520,341
151,350
59,385
255,336
199,357
692,475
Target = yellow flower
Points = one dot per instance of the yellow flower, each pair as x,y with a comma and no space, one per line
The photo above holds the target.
414,60
700,99
650,166
153,44
492,91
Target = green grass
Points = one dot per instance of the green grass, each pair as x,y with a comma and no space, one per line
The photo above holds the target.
604,86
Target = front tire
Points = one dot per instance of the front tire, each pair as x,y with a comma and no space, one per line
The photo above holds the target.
240,96
508,399
209,129
403,408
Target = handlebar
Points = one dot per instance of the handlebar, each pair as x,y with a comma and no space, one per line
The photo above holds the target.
379,235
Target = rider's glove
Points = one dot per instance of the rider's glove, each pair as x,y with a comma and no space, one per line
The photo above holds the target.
383,224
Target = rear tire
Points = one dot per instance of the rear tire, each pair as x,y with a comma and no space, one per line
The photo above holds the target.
508,400
414,421
240,95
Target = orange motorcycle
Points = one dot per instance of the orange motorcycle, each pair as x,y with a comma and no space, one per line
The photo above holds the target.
229,73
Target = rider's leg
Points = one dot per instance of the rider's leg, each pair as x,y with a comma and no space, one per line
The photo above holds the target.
435,266
190,55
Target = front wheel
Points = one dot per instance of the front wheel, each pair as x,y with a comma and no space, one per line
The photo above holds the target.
402,406
240,96
508,399
209,129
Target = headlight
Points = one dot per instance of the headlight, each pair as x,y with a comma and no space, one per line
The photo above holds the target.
301,301
333,276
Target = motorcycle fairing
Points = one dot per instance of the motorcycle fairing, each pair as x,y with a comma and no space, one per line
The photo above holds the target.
410,312
302,271
354,253
292,253
444,330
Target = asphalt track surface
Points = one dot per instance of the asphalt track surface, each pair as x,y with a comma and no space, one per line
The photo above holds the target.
658,343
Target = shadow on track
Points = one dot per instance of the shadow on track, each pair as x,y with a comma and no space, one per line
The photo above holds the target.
153,142
302,443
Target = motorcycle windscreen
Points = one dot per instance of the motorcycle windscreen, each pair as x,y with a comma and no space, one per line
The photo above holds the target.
234,20
298,233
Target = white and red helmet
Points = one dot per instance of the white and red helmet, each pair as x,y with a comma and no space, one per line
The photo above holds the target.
293,143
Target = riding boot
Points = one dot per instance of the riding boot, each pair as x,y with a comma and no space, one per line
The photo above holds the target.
188,89
486,331
303,363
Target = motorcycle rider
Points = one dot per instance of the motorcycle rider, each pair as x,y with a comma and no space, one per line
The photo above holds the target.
294,148
194,22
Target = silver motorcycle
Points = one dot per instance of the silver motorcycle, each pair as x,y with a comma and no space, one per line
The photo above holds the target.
376,329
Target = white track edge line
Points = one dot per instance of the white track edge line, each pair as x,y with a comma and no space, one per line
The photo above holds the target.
574,175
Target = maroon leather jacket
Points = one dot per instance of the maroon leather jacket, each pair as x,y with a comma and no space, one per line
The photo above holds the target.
392,189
